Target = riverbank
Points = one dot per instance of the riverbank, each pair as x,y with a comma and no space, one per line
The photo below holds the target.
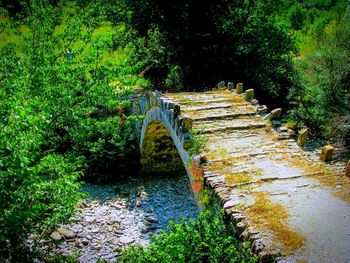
128,212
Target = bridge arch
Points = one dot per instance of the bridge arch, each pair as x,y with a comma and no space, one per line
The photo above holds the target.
154,106
156,114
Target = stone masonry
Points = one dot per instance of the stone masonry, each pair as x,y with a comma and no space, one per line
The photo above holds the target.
287,203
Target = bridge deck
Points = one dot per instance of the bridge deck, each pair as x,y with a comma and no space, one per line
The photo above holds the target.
286,201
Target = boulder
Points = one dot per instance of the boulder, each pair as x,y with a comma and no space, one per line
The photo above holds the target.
327,153
126,240
239,88
249,94
302,136
55,236
66,233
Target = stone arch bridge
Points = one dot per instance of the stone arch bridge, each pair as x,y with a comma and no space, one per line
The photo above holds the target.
284,200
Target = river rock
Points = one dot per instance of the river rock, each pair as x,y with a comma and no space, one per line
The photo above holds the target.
95,230
85,241
66,233
152,219
55,236
126,240
89,219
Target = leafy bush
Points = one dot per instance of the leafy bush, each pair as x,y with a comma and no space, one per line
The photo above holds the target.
197,143
204,240
323,93
60,117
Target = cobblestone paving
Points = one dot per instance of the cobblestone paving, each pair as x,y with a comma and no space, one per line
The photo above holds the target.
283,199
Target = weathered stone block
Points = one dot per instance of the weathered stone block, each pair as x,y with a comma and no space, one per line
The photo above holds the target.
249,94
230,86
327,153
170,105
221,85
239,88
302,136
283,136
162,105
261,109
254,102
186,140
152,100
347,171
276,114
187,124
177,110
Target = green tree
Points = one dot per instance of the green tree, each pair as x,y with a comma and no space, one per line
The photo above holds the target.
323,95
60,117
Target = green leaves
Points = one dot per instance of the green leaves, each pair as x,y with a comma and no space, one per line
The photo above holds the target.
204,240
323,92
60,117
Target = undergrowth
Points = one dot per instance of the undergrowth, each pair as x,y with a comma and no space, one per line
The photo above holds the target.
204,240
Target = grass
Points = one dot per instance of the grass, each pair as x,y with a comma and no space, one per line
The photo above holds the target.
333,180
218,153
243,176
268,216
220,166
324,175
237,178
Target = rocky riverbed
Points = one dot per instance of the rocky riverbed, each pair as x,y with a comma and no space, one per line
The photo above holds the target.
128,212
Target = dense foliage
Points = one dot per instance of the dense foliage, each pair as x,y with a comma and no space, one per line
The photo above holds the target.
241,41
60,117
204,240
322,94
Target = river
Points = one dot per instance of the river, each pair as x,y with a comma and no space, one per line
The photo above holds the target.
131,211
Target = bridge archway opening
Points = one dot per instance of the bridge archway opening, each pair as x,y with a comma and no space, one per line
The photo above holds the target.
159,155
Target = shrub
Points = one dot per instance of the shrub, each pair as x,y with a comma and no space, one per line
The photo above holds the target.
205,239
